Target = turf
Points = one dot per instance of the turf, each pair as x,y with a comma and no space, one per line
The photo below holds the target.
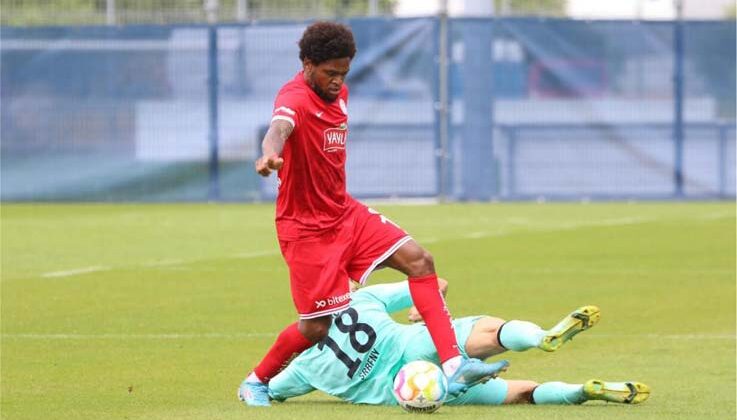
158,311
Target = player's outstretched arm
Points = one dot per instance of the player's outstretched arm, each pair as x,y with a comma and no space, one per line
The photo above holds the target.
292,382
272,146
393,296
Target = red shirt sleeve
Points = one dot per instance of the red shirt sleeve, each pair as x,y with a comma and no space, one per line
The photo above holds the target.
288,107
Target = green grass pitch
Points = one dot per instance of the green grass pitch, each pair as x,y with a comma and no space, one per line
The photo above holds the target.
158,311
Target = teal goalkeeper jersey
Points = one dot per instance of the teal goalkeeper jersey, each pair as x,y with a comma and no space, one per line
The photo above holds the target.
361,354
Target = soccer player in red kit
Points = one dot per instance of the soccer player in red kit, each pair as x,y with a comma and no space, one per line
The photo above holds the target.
326,236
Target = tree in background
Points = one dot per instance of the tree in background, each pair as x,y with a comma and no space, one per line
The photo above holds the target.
44,12
731,11
300,9
530,7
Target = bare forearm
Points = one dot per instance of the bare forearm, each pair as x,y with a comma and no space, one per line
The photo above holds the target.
272,146
273,142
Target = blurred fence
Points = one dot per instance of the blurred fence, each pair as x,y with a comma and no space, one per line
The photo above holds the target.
535,108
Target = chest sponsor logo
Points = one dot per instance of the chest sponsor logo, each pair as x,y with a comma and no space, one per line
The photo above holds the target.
335,138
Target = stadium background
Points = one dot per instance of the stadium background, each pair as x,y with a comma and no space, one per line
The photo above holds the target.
161,106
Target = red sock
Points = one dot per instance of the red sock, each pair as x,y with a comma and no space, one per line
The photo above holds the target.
430,303
289,344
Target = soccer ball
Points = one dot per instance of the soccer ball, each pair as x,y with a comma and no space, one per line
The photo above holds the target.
420,387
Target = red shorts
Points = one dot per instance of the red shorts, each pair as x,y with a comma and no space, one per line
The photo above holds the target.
320,267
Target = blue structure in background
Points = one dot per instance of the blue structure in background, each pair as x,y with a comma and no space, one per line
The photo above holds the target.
548,108
213,107
477,72
678,105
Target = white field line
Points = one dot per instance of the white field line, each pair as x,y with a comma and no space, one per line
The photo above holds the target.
476,235
717,216
669,336
621,221
525,225
149,264
519,225
163,263
176,336
429,201
256,254
612,270
172,336
76,271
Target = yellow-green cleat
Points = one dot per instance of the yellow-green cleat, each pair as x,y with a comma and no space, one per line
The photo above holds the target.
618,392
579,320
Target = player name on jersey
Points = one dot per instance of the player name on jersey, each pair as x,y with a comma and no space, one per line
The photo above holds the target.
370,362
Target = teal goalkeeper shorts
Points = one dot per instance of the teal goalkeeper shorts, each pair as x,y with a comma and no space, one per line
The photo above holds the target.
491,393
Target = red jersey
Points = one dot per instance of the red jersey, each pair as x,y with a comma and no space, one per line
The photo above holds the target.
312,194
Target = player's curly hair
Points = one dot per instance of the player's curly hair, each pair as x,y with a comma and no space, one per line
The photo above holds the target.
324,41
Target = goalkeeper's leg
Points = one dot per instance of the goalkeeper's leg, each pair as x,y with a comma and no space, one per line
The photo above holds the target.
491,336
499,391
629,392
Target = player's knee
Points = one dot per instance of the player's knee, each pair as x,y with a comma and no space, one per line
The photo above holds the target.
314,333
422,264
488,325
316,329
492,324
428,261
520,392
484,341
526,391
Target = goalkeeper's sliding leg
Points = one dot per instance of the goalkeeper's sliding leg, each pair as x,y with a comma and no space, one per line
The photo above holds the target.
491,336
499,391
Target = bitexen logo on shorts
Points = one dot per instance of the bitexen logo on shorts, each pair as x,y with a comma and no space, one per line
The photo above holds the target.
334,300
335,138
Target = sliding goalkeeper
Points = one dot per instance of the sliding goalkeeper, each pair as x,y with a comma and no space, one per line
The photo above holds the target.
365,348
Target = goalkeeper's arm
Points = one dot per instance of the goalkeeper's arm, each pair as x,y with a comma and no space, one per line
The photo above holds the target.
289,383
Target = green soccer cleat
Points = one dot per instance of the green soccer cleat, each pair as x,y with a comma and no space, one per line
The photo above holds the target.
618,392
579,320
